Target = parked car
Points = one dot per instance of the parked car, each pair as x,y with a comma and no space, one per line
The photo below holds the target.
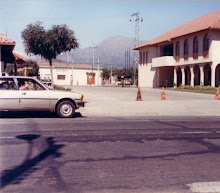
18,93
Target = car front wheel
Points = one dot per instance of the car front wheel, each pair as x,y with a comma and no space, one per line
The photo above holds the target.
65,109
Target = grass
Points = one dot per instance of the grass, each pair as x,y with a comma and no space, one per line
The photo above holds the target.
196,89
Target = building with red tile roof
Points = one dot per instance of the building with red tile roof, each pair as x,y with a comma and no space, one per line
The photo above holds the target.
6,52
186,55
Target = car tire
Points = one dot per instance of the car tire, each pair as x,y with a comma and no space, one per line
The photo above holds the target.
65,109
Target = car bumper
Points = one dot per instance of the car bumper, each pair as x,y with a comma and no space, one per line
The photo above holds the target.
80,104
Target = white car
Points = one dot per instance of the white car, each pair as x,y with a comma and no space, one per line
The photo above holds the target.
18,93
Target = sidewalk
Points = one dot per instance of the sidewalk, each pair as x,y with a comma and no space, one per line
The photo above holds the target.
121,102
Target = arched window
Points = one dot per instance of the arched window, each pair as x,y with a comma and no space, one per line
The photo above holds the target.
177,48
177,51
206,43
186,50
146,57
140,58
195,45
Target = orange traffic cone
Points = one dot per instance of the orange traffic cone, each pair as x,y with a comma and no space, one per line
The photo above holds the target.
163,97
217,94
139,95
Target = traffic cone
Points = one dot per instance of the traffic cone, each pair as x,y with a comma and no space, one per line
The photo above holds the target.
163,97
139,95
217,94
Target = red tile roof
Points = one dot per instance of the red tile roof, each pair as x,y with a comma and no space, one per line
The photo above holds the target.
209,21
5,41
18,57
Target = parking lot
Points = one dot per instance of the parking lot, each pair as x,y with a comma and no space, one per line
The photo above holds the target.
120,102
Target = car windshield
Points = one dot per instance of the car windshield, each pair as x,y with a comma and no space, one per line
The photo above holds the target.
48,87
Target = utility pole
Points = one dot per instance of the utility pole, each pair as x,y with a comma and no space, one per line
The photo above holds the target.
136,41
111,75
93,51
98,71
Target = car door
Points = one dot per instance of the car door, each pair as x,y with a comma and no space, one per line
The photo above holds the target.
32,95
9,98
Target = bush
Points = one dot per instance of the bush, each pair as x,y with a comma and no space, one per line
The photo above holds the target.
185,87
56,87
198,87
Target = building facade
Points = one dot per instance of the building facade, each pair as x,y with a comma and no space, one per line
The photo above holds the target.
186,55
70,74
6,52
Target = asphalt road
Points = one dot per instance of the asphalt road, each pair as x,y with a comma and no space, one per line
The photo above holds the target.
40,153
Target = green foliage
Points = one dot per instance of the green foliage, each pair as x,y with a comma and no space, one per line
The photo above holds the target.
123,72
166,83
32,68
48,44
105,73
61,88
198,87
10,69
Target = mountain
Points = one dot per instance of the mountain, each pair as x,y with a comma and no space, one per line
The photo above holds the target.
110,51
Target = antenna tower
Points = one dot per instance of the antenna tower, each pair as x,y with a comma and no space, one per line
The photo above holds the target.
136,40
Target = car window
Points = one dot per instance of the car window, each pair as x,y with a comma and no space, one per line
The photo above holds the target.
29,84
7,84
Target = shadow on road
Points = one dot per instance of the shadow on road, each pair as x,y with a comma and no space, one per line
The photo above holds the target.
32,114
17,174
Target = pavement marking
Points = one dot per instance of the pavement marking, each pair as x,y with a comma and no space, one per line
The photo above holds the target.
205,187
172,132
7,137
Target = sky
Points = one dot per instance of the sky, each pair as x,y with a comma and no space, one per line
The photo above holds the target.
93,21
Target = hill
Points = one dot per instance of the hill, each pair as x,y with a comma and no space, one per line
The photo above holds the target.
110,51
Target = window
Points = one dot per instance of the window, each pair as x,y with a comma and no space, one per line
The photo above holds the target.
186,50
141,57
7,84
146,57
177,51
29,84
206,43
195,48
195,45
177,48
61,77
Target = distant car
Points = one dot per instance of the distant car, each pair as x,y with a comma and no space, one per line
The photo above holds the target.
18,93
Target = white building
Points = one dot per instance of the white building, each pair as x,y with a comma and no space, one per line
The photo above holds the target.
70,74
186,55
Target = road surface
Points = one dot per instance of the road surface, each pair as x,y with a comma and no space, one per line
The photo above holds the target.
41,153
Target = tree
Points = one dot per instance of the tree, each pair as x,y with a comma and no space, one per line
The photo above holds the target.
30,65
48,44
105,73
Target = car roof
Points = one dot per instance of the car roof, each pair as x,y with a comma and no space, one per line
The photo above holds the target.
24,77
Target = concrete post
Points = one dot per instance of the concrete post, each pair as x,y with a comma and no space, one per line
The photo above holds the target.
157,77
192,77
213,66
183,75
201,76
175,77
1,68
